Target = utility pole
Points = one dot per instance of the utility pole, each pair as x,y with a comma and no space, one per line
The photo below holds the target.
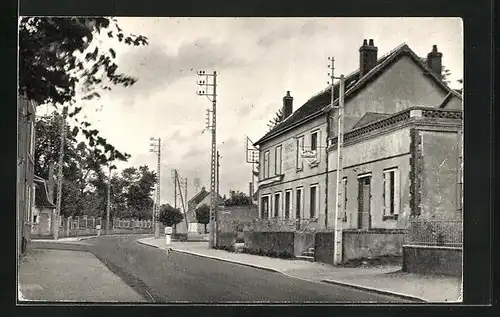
108,205
184,204
337,257
156,148
212,96
218,165
175,188
60,175
252,155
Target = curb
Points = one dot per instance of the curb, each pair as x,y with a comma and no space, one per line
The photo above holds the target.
214,258
375,290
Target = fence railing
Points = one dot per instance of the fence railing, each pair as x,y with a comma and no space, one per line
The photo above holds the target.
92,222
435,232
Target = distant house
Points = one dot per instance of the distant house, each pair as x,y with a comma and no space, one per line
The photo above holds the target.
202,197
401,155
44,207
26,110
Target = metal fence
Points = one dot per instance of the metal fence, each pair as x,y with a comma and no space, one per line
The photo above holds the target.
92,222
435,232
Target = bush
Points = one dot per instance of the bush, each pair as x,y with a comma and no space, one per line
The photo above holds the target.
181,237
240,240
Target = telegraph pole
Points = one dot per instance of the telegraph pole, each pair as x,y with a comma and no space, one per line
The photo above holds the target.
156,148
108,205
175,188
337,259
218,166
212,96
60,175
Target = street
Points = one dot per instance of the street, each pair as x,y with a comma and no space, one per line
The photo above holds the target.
186,278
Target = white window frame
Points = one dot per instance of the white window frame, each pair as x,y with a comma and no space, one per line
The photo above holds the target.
266,165
396,203
278,164
316,207
277,198
290,204
300,147
301,205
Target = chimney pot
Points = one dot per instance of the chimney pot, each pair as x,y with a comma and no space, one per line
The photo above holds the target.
287,105
434,61
367,57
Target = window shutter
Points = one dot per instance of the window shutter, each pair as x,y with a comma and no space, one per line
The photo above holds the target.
396,192
386,193
320,147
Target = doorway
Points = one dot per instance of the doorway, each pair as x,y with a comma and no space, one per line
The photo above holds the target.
364,198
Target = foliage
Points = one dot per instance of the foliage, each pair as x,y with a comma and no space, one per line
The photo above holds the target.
56,53
170,216
237,198
445,74
278,117
203,215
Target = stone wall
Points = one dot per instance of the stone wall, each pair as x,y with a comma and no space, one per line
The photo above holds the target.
372,243
323,247
433,260
302,242
278,242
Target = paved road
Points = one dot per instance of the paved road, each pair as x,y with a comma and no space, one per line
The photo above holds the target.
186,278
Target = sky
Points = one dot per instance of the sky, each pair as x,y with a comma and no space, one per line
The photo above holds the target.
257,60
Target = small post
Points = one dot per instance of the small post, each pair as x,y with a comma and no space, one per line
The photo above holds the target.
168,237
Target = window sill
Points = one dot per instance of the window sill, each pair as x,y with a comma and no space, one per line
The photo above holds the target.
390,217
316,164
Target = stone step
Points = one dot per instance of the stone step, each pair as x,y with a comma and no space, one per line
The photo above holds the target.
305,253
310,250
305,258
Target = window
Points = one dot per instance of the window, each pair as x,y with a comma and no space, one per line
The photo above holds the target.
277,205
344,193
314,198
300,147
288,203
278,160
264,207
298,204
266,165
35,218
391,194
314,141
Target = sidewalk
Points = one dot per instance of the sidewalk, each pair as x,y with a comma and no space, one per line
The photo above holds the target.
70,276
381,279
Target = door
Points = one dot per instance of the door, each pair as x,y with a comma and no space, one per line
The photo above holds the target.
364,197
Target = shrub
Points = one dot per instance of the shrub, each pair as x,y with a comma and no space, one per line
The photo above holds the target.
240,240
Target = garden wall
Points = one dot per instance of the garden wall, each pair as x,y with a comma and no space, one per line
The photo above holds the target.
432,259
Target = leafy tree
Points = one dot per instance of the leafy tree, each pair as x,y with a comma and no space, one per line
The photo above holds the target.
237,198
170,216
445,74
278,117
139,184
203,215
56,53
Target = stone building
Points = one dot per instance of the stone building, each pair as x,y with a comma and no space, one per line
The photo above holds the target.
401,156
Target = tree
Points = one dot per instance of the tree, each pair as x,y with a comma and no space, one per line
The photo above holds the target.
139,184
237,198
445,74
170,216
55,54
203,215
278,117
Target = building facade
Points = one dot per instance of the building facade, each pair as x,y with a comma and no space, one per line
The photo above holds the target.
25,171
390,102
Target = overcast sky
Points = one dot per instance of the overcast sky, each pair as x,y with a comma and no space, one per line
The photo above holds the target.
257,61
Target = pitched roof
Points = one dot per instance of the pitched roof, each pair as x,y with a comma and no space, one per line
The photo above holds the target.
320,103
198,197
370,117
42,199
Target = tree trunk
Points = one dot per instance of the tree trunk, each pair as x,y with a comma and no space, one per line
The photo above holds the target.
205,227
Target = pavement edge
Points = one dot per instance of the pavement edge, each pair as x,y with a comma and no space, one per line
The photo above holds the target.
375,290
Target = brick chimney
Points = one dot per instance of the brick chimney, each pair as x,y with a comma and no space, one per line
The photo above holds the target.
434,61
287,105
367,57
51,183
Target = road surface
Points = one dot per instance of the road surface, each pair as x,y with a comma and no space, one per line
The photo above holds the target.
186,278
